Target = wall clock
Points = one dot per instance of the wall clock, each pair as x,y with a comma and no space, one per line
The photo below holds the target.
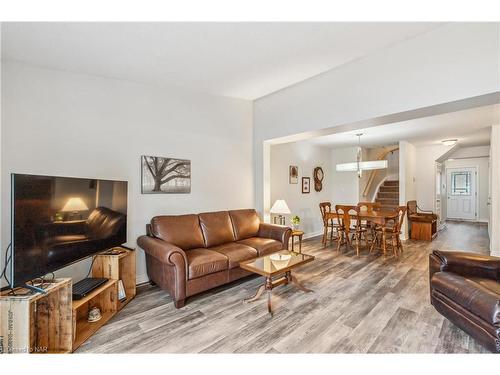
318,175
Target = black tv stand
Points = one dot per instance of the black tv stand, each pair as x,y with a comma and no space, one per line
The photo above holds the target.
87,285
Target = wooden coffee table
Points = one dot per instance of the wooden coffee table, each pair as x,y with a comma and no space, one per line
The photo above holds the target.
277,269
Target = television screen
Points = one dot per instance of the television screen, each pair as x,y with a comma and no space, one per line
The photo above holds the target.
59,220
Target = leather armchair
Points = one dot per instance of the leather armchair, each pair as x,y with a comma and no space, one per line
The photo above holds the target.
465,288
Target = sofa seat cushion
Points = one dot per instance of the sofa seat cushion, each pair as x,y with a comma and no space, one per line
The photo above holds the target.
236,253
474,295
490,284
263,246
203,262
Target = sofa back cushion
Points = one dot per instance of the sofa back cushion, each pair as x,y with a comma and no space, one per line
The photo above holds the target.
245,223
217,228
183,230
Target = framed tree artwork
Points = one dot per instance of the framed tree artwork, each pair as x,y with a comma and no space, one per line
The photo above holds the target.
306,185
165,175
293,174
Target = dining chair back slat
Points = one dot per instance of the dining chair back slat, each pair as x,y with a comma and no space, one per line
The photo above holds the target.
325,207
369,206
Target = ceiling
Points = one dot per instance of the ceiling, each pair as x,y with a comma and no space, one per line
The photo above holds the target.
471,127
242,60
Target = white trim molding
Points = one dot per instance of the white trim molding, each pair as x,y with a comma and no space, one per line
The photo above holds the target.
495,191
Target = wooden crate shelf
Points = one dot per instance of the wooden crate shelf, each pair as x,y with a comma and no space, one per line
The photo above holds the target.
37,323
115,268
105,298
118,267
53,322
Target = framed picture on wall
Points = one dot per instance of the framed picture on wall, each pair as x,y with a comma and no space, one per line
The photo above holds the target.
306,185
165,175
293,173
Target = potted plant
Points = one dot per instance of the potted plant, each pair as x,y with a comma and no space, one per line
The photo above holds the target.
295,222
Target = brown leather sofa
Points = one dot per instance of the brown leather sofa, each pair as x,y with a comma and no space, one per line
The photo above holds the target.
465,288
189,254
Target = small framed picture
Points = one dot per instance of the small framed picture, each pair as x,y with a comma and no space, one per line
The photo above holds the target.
293,174
306,185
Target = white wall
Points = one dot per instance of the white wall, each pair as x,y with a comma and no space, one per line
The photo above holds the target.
345,185
482,187
306,156
426,174
471,152
452,62
58,123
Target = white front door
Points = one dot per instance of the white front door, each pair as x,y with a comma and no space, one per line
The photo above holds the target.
461,191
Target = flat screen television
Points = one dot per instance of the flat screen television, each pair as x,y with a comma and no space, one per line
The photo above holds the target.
57,221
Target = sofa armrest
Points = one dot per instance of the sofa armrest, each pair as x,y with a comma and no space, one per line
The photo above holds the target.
276,232
466,264
163,251
173,276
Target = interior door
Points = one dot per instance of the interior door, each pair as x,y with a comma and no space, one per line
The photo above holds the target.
462,194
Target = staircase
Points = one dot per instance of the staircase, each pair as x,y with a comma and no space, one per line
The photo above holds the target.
388,195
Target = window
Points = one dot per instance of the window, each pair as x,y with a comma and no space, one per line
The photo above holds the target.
460,183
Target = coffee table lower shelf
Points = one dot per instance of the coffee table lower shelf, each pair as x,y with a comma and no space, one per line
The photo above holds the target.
276,273
270,284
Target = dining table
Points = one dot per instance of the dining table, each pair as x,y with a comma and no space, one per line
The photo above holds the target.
378,217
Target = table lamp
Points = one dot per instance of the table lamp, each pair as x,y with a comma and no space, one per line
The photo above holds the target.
280,208
74,205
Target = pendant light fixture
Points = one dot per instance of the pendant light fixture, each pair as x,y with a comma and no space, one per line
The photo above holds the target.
359,165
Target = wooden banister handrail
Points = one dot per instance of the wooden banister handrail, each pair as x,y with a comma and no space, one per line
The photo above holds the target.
382,156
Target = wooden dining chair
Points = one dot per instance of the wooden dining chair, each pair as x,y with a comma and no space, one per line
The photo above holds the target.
391,231
369,226
332,224
348,226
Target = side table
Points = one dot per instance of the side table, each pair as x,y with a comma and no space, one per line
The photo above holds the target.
299,234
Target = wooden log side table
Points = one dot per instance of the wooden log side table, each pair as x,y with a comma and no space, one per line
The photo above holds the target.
299,234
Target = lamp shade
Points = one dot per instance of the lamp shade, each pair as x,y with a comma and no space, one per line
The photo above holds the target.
75,204
280,207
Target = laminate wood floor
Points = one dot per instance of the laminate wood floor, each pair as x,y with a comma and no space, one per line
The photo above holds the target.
369,304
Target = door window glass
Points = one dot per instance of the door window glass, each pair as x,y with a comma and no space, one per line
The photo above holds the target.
460,183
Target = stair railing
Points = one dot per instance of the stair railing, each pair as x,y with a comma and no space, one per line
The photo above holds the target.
373,173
